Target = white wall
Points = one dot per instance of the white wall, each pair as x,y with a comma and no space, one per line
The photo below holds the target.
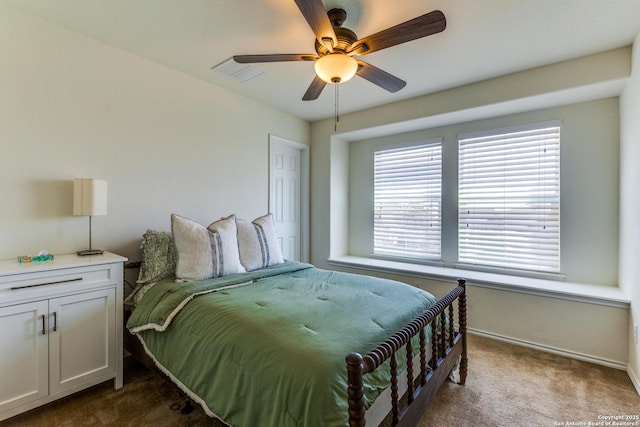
630,206
71,107
580,329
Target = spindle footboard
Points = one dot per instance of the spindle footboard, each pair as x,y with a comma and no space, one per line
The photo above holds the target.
448,345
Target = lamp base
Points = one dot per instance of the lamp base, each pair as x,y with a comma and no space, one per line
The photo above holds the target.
90,252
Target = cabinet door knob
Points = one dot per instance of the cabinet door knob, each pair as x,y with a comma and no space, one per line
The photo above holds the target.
44,327
55,321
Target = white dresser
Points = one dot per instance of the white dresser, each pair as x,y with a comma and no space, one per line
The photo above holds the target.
60,328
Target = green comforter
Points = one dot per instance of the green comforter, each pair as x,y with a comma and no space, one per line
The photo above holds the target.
268,348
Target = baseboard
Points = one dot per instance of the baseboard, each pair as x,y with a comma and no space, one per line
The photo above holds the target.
554,350
634,378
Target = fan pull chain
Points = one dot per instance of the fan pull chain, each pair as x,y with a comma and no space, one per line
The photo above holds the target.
336,82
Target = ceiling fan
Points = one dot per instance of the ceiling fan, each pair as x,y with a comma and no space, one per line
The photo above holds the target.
336,47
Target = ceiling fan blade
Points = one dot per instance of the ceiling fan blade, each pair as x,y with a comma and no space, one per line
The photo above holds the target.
317,18
422,26
249,59
378,77
314,89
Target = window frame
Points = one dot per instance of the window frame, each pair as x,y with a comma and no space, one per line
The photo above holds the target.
545,259
434,259
450,243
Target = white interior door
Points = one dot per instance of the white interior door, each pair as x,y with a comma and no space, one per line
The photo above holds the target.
288,171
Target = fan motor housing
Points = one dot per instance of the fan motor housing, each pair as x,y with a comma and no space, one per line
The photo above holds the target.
345,36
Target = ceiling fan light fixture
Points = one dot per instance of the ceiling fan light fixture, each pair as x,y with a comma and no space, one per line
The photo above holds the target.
336,68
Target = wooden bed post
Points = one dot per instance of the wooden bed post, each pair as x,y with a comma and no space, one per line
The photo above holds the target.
355,390
462,319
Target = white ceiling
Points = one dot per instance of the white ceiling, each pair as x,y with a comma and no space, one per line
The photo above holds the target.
483,39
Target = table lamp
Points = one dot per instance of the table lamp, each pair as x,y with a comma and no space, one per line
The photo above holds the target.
89,199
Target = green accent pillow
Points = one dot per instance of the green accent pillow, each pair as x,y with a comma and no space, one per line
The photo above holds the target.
158,257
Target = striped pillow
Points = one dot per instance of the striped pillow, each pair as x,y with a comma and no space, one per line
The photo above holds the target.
204,253
258,243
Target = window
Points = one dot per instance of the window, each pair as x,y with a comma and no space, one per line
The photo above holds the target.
509,198
407,201
583,247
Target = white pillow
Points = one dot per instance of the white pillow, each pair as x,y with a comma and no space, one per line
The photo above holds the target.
258,243
204,253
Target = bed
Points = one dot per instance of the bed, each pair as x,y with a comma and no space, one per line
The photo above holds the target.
284,343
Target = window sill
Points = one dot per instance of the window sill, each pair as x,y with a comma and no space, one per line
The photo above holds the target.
594,294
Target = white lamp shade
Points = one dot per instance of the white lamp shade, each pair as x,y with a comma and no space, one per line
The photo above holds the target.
89,197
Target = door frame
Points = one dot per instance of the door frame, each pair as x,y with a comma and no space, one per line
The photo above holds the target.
275,140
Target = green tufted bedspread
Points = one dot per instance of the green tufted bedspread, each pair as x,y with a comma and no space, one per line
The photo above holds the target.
268,348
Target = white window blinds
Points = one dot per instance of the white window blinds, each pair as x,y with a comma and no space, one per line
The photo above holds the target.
509,198
407,201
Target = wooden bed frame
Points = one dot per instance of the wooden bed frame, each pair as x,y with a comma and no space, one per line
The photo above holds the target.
448,347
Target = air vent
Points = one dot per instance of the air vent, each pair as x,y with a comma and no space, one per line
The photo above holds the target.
241,72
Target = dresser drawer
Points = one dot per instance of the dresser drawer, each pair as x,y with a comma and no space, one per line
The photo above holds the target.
15,288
